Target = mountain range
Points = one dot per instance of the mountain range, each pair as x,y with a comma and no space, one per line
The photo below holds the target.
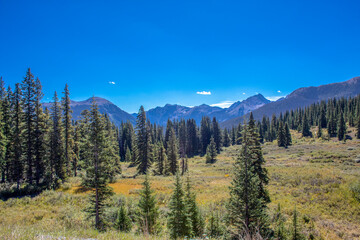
303,97
232,115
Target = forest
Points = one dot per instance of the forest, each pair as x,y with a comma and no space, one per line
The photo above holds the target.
44,151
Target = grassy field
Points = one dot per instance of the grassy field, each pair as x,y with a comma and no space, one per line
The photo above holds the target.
314,175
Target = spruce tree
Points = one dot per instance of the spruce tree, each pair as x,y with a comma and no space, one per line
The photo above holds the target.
123,221
296,234
57,166
40,132
16,147
287,135
149,213
161,160
197,223
143,141
205,133
211,152
227,140
281,135
341,127
214,228
7,119
3,146
305,129
258,160
68,132
179,222
97,166
28,105
172,155
216,134
247,211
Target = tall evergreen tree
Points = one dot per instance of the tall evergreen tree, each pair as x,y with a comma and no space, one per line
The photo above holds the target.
305,129
341,127
211,152
205,133
227,140
57,166
247,211
161,160
216,134
179,222
149,213
358,128
39,134
143,143
197,223
172,155
319,133
28,105
97,166
288,138
68,131
281,135
16,146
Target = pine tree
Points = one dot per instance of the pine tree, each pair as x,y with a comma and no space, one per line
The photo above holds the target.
123,221
39,134
211,152
287,135
172,156
28,105
57,166
3,146
143,138
192,147
68,131
280,231
227,140
149,213
258,160
214,228
77,142
179,223
296,235
305,129
205,133
197,223
341,127
16,147
161,160
216,134
281,135
97,166
7,119
247,211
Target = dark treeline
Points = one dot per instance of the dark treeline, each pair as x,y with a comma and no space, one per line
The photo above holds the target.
333,115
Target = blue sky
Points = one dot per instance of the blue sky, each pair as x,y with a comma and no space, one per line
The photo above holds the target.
156,52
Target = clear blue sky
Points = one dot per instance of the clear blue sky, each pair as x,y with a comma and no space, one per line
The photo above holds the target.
159,52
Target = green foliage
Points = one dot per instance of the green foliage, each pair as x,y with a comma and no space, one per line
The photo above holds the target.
149,213
143,143
211,152
355,190
172,153
123,221
179,222
246,207
214,228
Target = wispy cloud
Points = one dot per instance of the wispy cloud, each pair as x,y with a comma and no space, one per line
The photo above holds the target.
112,83
224,104
204,93
244,93
274,98
279,91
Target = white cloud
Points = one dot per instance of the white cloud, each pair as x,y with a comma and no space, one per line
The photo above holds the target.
244,93
224,104
274,98
204,93
279,91
112,83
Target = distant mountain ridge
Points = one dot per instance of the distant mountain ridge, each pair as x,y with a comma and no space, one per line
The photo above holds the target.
115,114
303,97
160,115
